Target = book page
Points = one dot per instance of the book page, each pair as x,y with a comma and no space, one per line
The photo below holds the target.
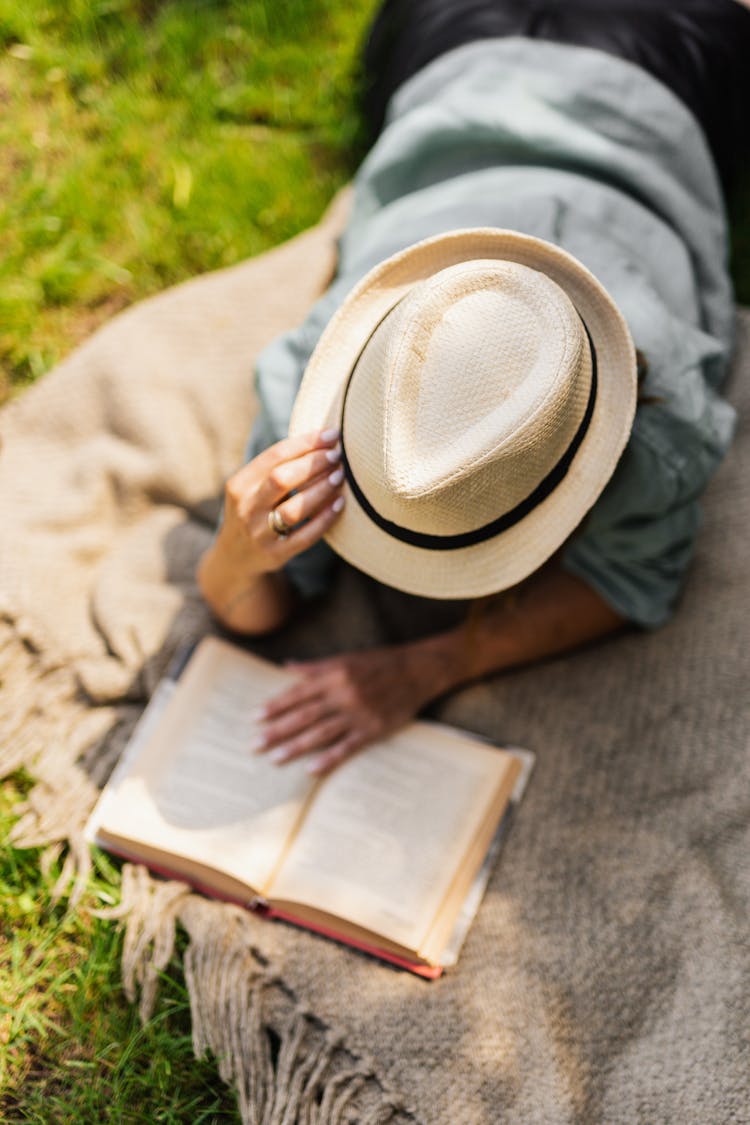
382,841
471,902
196,790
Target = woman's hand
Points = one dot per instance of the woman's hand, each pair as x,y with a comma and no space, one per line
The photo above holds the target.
342,704
238,575
306,466
338,706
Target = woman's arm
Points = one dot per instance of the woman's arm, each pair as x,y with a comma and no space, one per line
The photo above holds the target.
240,573
550,613
339,705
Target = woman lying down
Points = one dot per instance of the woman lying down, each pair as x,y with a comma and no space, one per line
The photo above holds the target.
511,391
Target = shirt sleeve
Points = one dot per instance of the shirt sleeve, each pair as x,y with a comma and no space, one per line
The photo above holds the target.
635,546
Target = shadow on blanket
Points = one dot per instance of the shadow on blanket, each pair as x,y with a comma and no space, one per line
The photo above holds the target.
606,977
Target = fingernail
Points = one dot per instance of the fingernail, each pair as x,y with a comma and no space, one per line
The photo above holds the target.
257,715
279,755
258,745
338,504
336,477
329,435
334,455
313,767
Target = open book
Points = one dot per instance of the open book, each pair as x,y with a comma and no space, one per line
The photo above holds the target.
383,853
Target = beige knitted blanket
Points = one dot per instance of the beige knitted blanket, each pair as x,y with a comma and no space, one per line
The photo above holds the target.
606,976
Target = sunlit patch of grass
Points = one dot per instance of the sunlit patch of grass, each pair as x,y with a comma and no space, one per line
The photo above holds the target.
144,142
72,1048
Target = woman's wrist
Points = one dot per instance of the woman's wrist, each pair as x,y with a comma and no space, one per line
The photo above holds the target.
221,580
241,599
437,665
445,661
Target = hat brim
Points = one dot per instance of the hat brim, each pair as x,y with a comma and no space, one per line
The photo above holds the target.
509,557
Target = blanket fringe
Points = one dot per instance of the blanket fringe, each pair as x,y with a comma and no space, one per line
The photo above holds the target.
30,717
48,728
38,719
287,1066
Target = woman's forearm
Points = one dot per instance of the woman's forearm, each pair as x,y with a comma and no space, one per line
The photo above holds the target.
551,613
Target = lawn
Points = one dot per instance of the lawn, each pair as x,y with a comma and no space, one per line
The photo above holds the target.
142,142
72,1049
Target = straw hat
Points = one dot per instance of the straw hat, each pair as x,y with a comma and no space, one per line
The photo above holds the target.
484,383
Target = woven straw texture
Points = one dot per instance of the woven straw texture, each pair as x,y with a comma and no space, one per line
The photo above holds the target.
606,977
505,559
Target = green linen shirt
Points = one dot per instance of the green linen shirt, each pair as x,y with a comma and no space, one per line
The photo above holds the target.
591,153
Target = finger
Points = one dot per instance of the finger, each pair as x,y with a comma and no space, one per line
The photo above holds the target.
307,534
310,500
298,694
335,669
287,450
334,755
291,447
298,474
294,721
312,668
314,738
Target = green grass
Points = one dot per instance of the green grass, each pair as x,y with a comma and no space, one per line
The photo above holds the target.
71,1046
142,142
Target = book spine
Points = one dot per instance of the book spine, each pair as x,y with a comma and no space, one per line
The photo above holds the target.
428,972
263,909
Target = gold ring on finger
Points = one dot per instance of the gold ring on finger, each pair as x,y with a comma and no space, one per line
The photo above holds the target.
277,523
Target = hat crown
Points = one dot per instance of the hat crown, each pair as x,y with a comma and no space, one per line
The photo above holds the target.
466,395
